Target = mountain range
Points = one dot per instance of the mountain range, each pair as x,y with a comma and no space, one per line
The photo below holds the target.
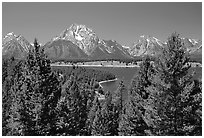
81,42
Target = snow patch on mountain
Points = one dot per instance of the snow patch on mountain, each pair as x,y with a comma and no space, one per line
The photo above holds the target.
82,36
125,47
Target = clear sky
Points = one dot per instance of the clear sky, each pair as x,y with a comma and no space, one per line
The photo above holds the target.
123,22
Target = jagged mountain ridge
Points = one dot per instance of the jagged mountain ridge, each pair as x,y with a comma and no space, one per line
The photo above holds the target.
81,42
147,45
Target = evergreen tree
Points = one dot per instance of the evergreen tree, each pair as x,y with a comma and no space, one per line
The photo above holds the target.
132,122
118,102
104,118
118,97
92,114
112,114
172,104
101,123
72,110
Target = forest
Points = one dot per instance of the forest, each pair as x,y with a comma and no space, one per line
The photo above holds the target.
164,98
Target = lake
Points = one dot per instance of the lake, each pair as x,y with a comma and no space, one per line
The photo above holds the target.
125,74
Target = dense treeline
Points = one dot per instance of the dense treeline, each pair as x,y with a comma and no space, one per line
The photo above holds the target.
128,60
83,74
163,99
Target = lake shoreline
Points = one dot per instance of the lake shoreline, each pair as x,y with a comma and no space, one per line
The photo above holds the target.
113,66
106,81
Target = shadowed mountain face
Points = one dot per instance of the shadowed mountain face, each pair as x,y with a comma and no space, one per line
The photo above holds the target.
63,49
81,42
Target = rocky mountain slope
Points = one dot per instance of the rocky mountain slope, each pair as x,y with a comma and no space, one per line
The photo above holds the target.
146,45
15,46
63,49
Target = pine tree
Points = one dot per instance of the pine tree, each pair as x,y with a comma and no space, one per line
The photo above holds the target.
112,115
118,97
132,122
101,123
92,115
66,122
118,102
72,110
172,103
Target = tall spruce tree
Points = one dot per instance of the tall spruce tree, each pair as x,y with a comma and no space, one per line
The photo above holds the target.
106,118
92,115
118,102
132,122
72,110
173,105
101,123
66,122
112,114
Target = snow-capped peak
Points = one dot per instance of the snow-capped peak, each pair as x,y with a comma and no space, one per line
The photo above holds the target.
55,38
11,33
193,41
124,46
142,36
81,36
